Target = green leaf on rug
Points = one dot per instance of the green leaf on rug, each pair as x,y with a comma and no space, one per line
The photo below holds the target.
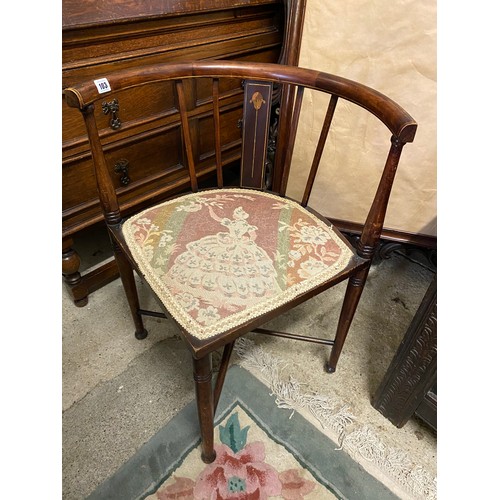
232,434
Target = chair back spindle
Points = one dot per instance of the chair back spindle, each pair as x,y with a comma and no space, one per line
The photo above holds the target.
290,139
319,149
279,181
188,145
217,140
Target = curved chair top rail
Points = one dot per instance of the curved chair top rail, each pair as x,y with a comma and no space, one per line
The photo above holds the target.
397,120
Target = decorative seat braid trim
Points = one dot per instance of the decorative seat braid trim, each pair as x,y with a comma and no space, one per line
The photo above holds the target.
189,203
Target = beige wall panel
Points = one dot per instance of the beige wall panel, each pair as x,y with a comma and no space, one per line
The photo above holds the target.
389,45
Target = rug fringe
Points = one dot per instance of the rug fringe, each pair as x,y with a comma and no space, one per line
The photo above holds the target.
366,444
336,416
289,395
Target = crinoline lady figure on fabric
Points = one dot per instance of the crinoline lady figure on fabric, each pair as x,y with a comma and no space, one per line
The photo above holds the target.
227,270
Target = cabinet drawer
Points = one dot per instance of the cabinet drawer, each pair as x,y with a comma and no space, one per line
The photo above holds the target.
134,111
156,154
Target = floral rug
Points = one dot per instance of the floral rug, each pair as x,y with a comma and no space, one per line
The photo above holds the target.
261,454
248,465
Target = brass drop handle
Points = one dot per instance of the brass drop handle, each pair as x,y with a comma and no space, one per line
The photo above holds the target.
113,108
121,168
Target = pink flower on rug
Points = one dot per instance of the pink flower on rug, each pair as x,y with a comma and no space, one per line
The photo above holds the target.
295,487
238,476
181,489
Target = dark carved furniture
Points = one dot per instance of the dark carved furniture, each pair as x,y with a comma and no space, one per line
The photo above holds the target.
101,37
409,386
224,261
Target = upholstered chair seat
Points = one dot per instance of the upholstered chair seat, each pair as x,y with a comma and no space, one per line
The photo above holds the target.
218,258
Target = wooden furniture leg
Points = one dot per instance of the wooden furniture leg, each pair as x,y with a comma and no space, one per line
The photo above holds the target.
127,277
72,277
80,286
351,299
204,398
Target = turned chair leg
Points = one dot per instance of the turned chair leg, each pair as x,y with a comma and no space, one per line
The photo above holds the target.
127,277
351,299
202,369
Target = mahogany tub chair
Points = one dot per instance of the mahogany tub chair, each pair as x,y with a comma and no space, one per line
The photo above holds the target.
225,260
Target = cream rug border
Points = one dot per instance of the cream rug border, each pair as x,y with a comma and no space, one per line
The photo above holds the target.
361,443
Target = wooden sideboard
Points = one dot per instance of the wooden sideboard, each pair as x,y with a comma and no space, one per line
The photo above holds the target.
142,138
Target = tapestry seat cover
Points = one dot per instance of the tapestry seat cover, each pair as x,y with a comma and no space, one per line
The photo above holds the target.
219,258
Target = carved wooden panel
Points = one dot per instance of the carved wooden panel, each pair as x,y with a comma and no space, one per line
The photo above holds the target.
411,378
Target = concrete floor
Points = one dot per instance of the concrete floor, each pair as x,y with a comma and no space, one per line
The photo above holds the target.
118,391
